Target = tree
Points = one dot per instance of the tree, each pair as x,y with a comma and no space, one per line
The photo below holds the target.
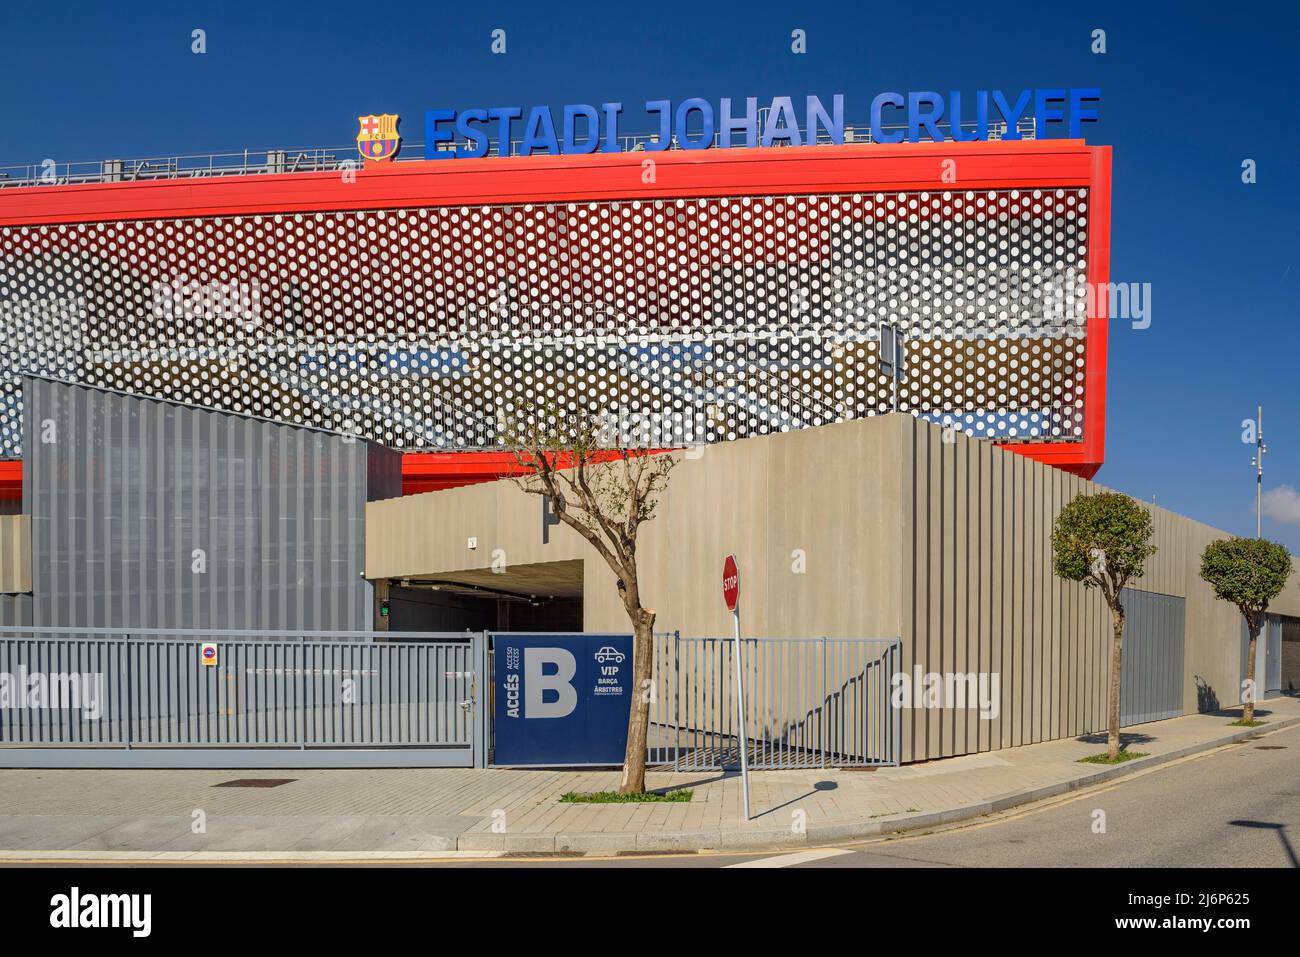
605,492
1104,541
1250,573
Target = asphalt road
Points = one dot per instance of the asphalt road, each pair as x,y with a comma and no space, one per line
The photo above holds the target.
1238,806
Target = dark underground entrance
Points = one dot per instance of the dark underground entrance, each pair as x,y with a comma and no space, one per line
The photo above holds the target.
546,596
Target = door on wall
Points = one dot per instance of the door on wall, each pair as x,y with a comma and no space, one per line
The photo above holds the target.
1270,650
1273,661
1289,659
1152,682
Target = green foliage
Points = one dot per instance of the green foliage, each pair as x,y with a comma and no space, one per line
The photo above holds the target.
1102,540
601,482
613,797
1118,759
1249,572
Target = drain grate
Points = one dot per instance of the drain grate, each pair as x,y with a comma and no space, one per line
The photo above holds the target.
1270,747
255,783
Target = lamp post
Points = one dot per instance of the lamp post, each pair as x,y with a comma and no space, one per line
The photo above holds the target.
1258,461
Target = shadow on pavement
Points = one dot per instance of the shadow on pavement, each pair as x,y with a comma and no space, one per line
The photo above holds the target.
1281,836
1126,738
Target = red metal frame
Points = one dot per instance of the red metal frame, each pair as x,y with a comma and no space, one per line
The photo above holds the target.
11,480
1035,164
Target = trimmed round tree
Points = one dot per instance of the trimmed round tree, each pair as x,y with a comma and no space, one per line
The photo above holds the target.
1250,573
1104,541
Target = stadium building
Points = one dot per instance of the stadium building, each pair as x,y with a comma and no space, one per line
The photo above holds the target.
292,367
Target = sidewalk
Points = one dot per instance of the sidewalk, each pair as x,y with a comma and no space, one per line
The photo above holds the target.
410,814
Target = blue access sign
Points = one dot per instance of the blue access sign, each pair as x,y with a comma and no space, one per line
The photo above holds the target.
561,699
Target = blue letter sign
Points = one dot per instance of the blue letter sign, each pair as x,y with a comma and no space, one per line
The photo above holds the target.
562,699
694,124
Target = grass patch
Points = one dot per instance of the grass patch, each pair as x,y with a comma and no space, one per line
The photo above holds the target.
1243,723
613,797
1105,759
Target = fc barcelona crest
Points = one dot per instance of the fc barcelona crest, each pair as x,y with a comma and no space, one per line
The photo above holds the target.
378,138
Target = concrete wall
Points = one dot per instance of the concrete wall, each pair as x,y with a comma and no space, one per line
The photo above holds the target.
761,498
946,544
15,554
15,570
983,596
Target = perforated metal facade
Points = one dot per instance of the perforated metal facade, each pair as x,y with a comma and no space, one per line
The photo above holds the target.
684,321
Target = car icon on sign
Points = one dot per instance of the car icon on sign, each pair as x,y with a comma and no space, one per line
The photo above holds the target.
609,654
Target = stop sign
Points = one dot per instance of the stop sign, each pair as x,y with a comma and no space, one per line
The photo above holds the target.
730,583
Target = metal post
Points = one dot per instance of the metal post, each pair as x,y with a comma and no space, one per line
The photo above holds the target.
302,693
822,706
891,359
127,639
1260,450
898,361
481,690
677,698
740,707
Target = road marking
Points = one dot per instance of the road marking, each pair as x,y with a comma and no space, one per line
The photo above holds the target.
789,860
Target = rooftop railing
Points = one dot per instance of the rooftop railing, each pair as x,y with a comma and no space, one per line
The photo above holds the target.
337,158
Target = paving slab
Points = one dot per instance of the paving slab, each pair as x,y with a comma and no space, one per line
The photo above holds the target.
417,813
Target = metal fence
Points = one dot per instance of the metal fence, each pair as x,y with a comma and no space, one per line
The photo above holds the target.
102,697
318,159
269,699
809,702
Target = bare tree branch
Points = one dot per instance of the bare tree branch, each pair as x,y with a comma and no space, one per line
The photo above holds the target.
612,491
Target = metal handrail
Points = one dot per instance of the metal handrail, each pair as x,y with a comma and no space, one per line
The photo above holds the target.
321,159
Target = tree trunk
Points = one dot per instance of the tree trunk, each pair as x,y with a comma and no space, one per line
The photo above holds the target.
1116,675
638,719
1248,711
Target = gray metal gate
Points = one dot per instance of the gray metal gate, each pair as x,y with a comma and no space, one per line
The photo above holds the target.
1273,656
1288,659
1268,655
145,698
1151,687
809,703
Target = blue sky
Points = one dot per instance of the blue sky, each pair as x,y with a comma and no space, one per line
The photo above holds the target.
1189,92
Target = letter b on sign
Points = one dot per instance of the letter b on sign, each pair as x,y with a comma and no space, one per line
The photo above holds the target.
548,683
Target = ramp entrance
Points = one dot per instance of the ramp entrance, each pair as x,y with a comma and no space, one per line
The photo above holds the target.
544,596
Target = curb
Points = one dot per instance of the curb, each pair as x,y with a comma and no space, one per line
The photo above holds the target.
632,842
239,857
488,846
